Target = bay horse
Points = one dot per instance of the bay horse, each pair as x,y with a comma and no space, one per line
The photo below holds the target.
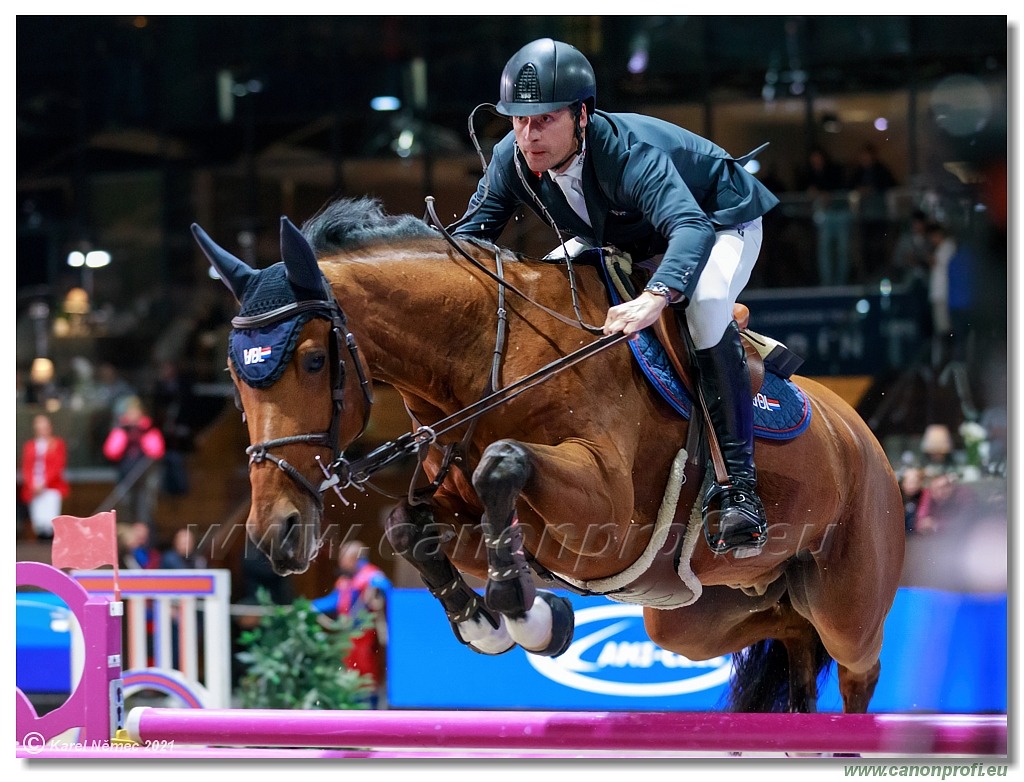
566,481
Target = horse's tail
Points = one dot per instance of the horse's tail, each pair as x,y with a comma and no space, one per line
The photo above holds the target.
760,678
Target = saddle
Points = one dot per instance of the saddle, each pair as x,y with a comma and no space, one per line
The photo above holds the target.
763,353
662,577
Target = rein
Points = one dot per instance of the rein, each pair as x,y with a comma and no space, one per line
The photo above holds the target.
578,323
357,473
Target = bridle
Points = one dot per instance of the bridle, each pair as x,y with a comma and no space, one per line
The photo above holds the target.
330,310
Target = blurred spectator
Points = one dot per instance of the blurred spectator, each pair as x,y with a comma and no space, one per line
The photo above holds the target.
110,390
171,398
911,486
944,502
911,259
960,300
943,248
183,554
824,182
134,444
994,420
361,586
136,551
937,446
871,180
44,486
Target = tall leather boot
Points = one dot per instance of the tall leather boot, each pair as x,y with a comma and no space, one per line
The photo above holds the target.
734,517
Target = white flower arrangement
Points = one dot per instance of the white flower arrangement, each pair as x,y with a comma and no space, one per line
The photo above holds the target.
974,437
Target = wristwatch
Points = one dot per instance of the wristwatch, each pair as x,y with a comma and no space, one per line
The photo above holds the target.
661,289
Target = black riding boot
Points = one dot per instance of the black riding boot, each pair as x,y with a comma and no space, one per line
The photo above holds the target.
739,521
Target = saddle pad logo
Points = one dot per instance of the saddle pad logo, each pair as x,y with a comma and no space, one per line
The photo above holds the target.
781,409
612,655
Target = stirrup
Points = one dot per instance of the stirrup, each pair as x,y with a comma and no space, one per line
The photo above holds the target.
746,532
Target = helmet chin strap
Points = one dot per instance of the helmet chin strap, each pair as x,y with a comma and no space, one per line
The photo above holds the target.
578,133
571,155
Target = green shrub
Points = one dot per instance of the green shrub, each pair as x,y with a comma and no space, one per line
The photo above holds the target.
294,658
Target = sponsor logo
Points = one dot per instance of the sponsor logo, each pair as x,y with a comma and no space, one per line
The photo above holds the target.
255,355
612,655
766,402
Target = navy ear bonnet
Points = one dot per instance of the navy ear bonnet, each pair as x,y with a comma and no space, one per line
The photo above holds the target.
260,355
262,345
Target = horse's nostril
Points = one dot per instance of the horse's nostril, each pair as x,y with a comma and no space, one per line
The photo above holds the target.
291,533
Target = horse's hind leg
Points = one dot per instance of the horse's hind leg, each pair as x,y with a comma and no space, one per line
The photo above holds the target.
413,534
857,689
542,626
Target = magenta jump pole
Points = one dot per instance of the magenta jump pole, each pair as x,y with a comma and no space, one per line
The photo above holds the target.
578,731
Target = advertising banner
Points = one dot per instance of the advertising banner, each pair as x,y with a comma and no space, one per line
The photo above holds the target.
943,652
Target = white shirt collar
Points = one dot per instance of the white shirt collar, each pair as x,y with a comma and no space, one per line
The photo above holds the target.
575,169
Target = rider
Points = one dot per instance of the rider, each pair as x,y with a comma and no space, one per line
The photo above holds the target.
656,191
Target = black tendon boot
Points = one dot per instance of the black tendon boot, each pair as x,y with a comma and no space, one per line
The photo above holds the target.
733,515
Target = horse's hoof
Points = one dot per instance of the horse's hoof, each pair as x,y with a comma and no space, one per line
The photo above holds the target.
563,623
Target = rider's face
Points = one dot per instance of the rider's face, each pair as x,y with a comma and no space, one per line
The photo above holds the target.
547,139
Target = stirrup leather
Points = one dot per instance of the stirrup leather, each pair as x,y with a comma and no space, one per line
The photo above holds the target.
746,529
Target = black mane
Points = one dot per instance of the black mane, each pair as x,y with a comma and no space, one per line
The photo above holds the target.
348,223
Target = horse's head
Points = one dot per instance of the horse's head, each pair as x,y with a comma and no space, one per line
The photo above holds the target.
301,386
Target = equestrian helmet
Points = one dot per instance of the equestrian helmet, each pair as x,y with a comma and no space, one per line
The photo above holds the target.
543,76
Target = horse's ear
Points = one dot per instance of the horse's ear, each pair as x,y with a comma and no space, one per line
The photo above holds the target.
235,273
299,260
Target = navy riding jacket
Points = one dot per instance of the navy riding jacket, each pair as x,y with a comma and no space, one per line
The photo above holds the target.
650,186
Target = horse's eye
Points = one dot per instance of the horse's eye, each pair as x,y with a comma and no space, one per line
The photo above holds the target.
314,362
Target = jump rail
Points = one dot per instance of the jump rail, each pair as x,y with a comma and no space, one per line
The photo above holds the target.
576,731
95,708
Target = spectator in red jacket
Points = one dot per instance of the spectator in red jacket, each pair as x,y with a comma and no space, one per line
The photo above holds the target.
133,444
44,487
361,586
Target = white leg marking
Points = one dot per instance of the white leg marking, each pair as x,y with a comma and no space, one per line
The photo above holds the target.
532,632
479,634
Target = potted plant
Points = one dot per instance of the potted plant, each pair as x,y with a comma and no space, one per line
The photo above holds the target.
294,658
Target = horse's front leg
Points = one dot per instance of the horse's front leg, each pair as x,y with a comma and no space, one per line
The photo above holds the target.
419,539
542,626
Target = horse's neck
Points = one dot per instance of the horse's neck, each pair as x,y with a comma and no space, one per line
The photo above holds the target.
421,327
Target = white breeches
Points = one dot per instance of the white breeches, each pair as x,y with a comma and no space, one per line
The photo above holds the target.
727,272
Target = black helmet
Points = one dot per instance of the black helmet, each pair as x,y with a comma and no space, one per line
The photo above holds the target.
545,76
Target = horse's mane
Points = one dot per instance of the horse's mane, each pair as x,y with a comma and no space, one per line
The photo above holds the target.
355,222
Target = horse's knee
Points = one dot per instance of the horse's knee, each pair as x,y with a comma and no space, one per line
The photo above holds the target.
504,467
414,535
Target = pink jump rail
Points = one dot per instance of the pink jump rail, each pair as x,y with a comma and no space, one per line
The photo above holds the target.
576,731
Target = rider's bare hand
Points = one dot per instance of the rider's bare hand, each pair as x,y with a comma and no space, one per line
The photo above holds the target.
634,316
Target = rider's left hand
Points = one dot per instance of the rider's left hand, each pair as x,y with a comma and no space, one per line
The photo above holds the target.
634,316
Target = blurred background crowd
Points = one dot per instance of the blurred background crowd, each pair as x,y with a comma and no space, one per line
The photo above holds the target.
885,265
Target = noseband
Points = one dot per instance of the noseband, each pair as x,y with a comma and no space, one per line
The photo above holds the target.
331,311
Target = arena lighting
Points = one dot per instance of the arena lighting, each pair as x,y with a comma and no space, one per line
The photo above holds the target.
385,103
93,259
97,259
